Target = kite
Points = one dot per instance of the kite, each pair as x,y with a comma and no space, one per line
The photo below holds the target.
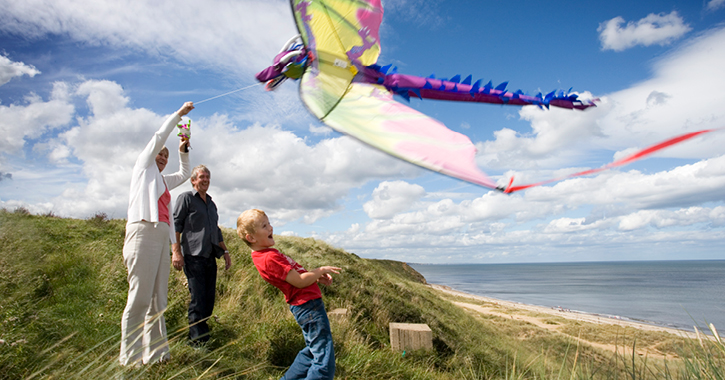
335,58
185,132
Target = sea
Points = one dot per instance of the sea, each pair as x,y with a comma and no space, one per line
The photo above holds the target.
675,294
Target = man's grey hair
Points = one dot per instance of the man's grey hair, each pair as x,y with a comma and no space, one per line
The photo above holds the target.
197,169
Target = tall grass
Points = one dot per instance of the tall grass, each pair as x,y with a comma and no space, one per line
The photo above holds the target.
63,289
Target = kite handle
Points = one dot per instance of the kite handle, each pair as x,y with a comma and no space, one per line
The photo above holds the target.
187,146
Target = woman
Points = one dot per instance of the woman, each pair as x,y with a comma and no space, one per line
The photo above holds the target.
149,230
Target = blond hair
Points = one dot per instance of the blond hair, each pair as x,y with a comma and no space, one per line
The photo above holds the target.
163,150
247,223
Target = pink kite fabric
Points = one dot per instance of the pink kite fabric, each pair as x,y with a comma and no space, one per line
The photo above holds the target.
369,113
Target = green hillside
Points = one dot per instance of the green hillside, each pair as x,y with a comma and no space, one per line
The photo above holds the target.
63,289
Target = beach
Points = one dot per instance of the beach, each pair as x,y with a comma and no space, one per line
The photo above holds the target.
515,310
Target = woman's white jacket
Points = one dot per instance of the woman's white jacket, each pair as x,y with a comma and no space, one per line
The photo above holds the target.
147,183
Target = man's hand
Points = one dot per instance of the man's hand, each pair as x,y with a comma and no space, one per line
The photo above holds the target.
227,261
177,259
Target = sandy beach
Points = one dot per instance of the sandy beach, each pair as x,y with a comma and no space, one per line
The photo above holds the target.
579,316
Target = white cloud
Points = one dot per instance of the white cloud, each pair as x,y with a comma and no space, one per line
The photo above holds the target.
662,107
264,166
659,29
682,186
714,5
667,218
104,97
211,33
10,70
391,198
493,223
252,166
625,121
558,138
269,168
19,122
320,130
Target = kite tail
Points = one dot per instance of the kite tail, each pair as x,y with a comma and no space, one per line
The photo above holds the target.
624,161
455,89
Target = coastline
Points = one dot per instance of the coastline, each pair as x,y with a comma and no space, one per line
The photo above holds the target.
564,313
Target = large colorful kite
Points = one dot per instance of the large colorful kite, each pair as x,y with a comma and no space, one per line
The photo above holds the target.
335,56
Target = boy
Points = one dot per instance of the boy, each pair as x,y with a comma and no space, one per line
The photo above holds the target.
300,289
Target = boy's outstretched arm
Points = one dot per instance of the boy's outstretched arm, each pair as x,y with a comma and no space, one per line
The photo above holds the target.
303,280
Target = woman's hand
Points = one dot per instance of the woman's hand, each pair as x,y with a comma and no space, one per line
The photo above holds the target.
185,109
184,145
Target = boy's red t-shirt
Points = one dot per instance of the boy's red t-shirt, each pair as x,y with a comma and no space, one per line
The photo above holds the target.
274,266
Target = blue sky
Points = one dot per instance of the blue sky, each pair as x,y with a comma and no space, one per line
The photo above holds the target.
84,85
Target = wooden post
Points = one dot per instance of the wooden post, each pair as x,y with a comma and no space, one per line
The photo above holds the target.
410,336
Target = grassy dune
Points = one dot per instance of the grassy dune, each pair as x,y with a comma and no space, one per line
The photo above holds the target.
63,289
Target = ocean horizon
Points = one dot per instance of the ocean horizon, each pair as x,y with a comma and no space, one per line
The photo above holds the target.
675,294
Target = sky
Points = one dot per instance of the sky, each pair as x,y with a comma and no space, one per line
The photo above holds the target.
85,84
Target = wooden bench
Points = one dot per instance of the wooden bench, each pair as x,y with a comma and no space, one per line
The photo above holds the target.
410,336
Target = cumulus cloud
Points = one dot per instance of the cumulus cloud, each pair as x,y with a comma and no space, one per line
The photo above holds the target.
625,121
668,218
556,138
273,169
252,165
655,29
682,186
10,70
391,198
655,208
265,166
33,118
211,33
714,5
659,108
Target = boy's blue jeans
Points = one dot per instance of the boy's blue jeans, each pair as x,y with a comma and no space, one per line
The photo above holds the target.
317,359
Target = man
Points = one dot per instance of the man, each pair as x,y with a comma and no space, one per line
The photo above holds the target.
201,243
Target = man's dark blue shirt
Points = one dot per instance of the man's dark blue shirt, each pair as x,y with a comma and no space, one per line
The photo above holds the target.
197,221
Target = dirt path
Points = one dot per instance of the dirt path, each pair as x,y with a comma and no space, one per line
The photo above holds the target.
514,310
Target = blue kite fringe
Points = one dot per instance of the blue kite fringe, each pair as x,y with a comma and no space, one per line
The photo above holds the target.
542,101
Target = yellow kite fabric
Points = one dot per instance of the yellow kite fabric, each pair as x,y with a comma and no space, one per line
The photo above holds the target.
342,35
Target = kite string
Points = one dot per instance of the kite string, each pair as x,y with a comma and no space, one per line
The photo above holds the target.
225,94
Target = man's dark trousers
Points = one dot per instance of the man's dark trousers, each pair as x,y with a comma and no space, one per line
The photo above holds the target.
201,274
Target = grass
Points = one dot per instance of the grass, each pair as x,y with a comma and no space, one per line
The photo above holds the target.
63,289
